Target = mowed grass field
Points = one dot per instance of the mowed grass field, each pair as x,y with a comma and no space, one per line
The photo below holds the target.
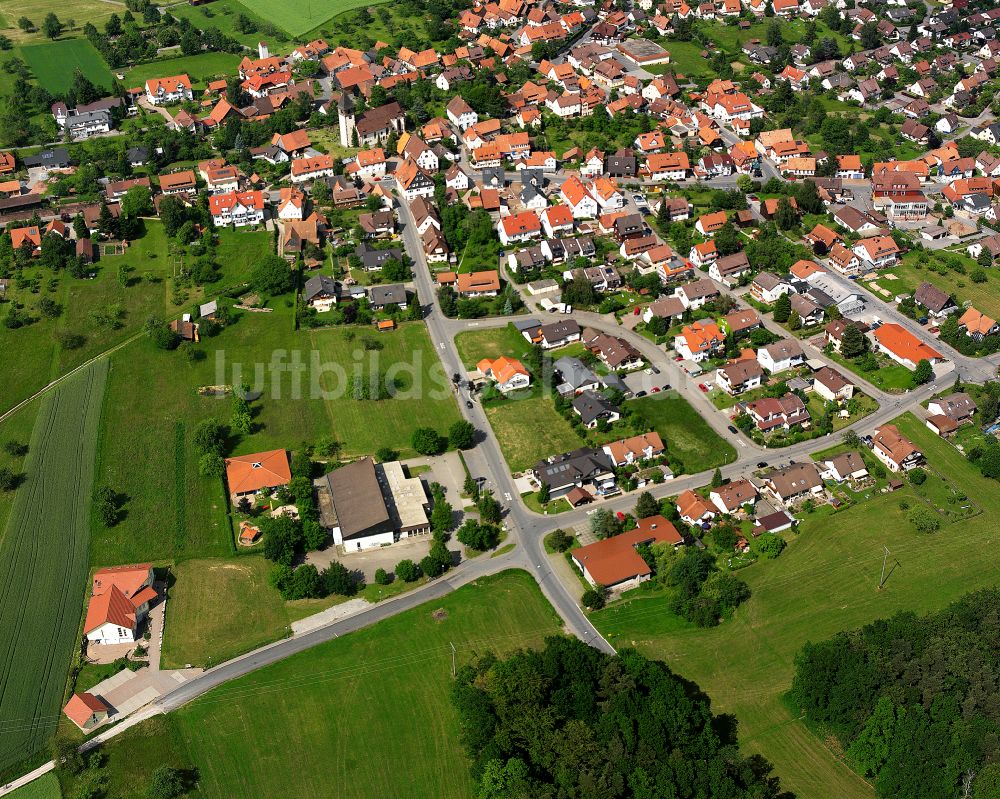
474,345
200,68
825,581
308,726
910,273
80,11
691,442
529,430
210,615
43,564
222,14
299,16
16,428
45,787
54,63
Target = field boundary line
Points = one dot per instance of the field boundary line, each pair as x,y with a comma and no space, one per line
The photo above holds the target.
53,383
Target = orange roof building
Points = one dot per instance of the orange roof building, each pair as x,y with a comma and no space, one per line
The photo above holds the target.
693,509
31,234
120,601
478,284
87,711
903,347
977,324
509,374
615,563
248,474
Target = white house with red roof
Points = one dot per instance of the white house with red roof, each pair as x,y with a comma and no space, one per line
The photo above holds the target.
120,601
237,208
307,169
162,91
519,227
581,202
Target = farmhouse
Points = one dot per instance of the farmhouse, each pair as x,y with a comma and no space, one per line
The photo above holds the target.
120,601
614,562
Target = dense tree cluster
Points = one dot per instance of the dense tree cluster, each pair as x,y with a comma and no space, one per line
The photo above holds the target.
913,699
570,721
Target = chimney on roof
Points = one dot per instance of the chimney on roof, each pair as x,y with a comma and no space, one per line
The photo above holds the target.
262,50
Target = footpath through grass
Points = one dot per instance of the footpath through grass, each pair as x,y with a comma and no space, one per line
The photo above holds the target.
307,726
43,564
45,787
825,581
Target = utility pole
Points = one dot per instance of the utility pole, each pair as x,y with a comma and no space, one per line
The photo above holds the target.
885,557
453,673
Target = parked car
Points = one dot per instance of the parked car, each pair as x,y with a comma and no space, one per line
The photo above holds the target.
656,389
703,387
468,403
762,465
643,393
733,430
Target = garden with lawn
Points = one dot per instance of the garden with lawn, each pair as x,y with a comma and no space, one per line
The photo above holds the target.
878,369
389,682
200,67
692,445
954,273
825,581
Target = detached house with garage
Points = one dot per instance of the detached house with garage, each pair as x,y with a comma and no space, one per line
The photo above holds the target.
615,563
739,376
877,252
699,341
897,452
120,601
732,497
508,374
794,483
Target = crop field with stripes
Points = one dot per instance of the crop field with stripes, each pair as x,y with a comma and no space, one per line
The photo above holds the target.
44,563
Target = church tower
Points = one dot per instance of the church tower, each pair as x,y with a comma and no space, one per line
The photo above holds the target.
345,115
